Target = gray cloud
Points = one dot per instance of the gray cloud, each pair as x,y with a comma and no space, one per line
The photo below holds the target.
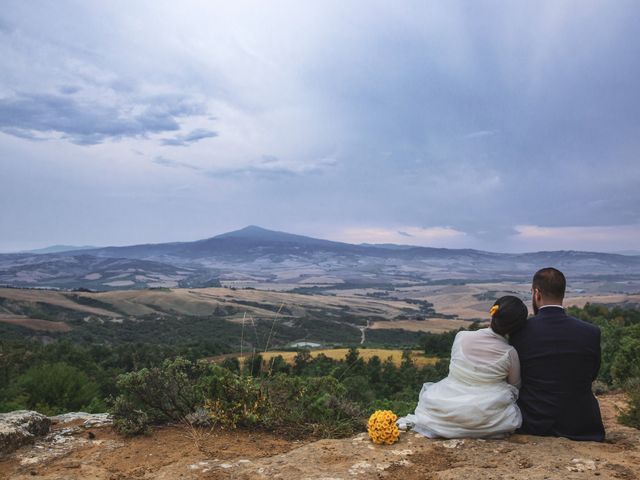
91,122
165,162
273,174
69,89
188,139
27,135
5,27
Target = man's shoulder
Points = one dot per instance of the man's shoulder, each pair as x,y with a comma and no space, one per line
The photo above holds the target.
539,325
586,326
566,322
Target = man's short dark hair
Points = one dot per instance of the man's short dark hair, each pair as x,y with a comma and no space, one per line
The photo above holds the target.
550,282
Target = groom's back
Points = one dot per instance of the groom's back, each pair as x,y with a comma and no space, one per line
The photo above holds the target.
559,357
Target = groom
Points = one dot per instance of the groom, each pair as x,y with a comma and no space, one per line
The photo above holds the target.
559,358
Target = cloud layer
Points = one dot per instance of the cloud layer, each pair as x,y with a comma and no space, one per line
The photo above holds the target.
41,116
405,122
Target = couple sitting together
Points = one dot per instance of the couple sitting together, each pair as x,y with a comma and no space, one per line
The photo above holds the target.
529,375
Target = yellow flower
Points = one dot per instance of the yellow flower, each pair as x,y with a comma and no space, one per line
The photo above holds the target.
494,309
382,427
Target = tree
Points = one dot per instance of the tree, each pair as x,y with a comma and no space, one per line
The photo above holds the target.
56,388
374,368
253,365
300,361
352,356
278,365
232,364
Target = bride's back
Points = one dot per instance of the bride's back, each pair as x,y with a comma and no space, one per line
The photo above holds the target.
481,356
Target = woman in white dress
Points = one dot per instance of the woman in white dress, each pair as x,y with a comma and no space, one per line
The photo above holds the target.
478,397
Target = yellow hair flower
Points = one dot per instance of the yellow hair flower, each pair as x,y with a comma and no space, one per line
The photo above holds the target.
382,427
494,309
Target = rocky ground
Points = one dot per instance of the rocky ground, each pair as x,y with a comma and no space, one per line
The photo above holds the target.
82,448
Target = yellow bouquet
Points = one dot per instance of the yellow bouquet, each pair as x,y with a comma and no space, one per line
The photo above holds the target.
382,427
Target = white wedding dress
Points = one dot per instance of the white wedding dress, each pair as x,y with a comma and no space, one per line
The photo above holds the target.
478,398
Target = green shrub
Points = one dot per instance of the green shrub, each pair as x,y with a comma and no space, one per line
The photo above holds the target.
311,406
127,419
235,401
166,393
631,415
359,390
293,406
399,407
599,387
56,388
626,361
232,364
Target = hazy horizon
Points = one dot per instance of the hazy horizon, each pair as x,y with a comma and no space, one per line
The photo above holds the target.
81,247
498,126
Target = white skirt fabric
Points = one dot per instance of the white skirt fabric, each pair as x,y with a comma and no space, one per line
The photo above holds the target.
475,400
451,409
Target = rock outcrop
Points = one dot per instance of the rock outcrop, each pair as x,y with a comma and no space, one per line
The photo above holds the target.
88,419
21,427
77,448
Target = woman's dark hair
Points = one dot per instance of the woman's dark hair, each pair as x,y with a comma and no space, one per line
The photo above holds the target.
510,316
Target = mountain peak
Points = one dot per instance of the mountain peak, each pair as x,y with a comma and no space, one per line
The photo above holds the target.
252,231
256,233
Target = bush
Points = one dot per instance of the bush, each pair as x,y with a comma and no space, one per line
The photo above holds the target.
399,407
167,393
625,363
56,388
631,415
311,406
293,406
127,419
235,401
179,389
358,389
599,388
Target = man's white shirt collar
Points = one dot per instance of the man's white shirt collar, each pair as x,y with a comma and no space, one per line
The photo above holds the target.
548,306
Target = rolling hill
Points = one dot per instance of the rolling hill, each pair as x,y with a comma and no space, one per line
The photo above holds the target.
262,258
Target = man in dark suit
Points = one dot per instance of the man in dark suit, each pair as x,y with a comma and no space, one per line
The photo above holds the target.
559,358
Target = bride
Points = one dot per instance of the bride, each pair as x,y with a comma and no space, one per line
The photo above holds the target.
478,398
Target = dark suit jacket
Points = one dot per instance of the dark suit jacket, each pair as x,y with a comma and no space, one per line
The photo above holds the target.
559,358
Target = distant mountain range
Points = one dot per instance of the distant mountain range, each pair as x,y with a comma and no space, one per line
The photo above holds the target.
59,248
254,256
628,252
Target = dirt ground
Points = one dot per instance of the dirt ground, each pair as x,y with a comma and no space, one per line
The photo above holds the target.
180,453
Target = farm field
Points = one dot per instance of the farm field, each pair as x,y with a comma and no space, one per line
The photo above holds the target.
34,323
433,325
417,356
472,301
370,317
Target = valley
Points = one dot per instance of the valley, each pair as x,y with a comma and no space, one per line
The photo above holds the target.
329,317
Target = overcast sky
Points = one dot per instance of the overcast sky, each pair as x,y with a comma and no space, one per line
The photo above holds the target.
498,125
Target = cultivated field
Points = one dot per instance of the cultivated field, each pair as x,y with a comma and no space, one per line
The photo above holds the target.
435,325
360,312
35,323
473,301
417,356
